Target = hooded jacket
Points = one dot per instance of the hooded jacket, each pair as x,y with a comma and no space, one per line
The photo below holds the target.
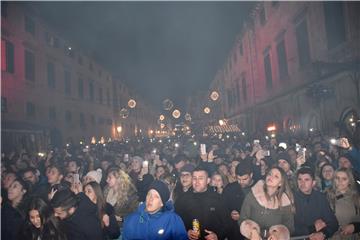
164,224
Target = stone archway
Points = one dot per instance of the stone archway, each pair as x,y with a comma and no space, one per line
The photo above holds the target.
349,119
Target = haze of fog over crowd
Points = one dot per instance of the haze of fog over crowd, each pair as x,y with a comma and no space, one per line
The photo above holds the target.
159,49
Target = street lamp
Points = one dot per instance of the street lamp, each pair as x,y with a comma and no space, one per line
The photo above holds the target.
119,130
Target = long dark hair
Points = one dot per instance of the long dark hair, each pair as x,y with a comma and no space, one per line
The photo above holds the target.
49,224
100,200
284,188
21,206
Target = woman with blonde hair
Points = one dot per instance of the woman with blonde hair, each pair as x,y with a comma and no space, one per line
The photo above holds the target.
120,192
270,201
345,202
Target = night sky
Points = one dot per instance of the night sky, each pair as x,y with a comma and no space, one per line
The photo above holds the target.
159,49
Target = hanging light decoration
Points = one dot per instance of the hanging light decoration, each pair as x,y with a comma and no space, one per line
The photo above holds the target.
176,113
124,113
168,104
132,103
207,110
214,95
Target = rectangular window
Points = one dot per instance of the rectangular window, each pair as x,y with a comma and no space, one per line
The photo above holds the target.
4,9
68,116
29,66
101,121
334,23
234,58
69,51
233,91
56,42
4,105
51,40
30,109
302,39
82,120
268,71
244,88
67,83
262,15
80,60
51,75
241,50
100,96
238,92
81,88
108,97
91,91
29,25
7,56
115,97
282,59
52,113
92,119
275,3
231,100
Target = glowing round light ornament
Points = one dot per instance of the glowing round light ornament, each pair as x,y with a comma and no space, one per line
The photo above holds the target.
207,110
132,103
214,95
176,113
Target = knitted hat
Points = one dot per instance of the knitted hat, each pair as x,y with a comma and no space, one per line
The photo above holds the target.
162,189
284,156
187,168
96,175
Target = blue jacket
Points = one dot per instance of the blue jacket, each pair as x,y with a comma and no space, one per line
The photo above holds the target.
165,224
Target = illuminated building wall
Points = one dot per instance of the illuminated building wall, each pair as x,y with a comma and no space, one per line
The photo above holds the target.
293,64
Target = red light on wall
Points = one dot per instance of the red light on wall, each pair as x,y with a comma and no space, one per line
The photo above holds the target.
271,128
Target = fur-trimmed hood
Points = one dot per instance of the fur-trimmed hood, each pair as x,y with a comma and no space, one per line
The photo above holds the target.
259,194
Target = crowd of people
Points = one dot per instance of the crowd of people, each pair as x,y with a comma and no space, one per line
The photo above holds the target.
227,187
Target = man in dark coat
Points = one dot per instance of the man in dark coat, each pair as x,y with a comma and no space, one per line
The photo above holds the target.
205,206
39,186
234,194
78,214
313,214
